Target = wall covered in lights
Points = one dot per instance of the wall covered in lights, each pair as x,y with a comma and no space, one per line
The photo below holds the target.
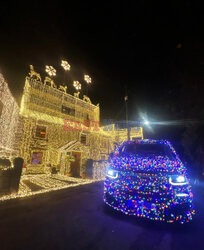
10,123
46,142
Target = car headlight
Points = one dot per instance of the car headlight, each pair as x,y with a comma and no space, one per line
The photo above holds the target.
178,180
112,173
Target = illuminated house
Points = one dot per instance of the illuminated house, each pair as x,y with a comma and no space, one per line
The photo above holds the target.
54,128
120,135
60,130
10,132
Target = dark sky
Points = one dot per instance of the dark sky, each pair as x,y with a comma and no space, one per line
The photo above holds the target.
152,50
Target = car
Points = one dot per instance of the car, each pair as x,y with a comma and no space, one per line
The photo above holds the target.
146,178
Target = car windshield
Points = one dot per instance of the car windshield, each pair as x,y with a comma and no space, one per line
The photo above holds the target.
151,150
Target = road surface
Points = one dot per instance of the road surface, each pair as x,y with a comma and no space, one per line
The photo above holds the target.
76,219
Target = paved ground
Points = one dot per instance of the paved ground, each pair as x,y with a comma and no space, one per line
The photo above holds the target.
75,219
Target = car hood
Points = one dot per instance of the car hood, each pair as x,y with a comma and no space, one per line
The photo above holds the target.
156,164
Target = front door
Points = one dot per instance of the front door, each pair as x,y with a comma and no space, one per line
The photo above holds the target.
75,165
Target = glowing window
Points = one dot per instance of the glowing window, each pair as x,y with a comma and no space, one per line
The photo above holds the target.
67,110
36,158
40,131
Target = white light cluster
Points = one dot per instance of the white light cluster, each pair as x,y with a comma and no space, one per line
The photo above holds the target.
50,70
77,85
65,65
178,181
112,174
87,78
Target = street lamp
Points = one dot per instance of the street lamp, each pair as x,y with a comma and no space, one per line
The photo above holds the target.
50,70
65,65
77,85
146,122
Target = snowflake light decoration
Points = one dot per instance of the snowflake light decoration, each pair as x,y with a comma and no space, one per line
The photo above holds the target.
50,70
65,65
77,85
87,78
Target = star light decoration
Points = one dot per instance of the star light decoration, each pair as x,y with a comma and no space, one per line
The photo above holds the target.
50,70
65,65
139,191
77,85
87,78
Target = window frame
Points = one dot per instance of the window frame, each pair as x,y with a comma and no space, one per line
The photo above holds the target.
37,137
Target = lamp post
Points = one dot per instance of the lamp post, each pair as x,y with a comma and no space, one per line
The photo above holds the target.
126,116
146,122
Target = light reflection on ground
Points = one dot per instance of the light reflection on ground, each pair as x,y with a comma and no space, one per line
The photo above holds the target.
42,183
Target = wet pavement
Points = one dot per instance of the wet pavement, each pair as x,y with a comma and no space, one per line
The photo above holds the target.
76,218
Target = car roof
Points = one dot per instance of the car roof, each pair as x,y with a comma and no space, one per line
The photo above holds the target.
147,141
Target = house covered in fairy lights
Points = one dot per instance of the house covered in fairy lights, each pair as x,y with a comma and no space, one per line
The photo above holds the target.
60,130
54,129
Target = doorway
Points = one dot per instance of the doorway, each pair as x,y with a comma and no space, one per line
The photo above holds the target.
75,165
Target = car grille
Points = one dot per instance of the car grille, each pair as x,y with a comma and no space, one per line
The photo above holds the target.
150,196
148,187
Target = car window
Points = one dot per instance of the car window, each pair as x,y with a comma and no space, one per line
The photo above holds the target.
152,149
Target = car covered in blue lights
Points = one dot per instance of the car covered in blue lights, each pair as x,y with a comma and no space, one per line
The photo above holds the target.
146,178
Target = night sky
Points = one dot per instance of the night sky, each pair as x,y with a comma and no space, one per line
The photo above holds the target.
153,51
